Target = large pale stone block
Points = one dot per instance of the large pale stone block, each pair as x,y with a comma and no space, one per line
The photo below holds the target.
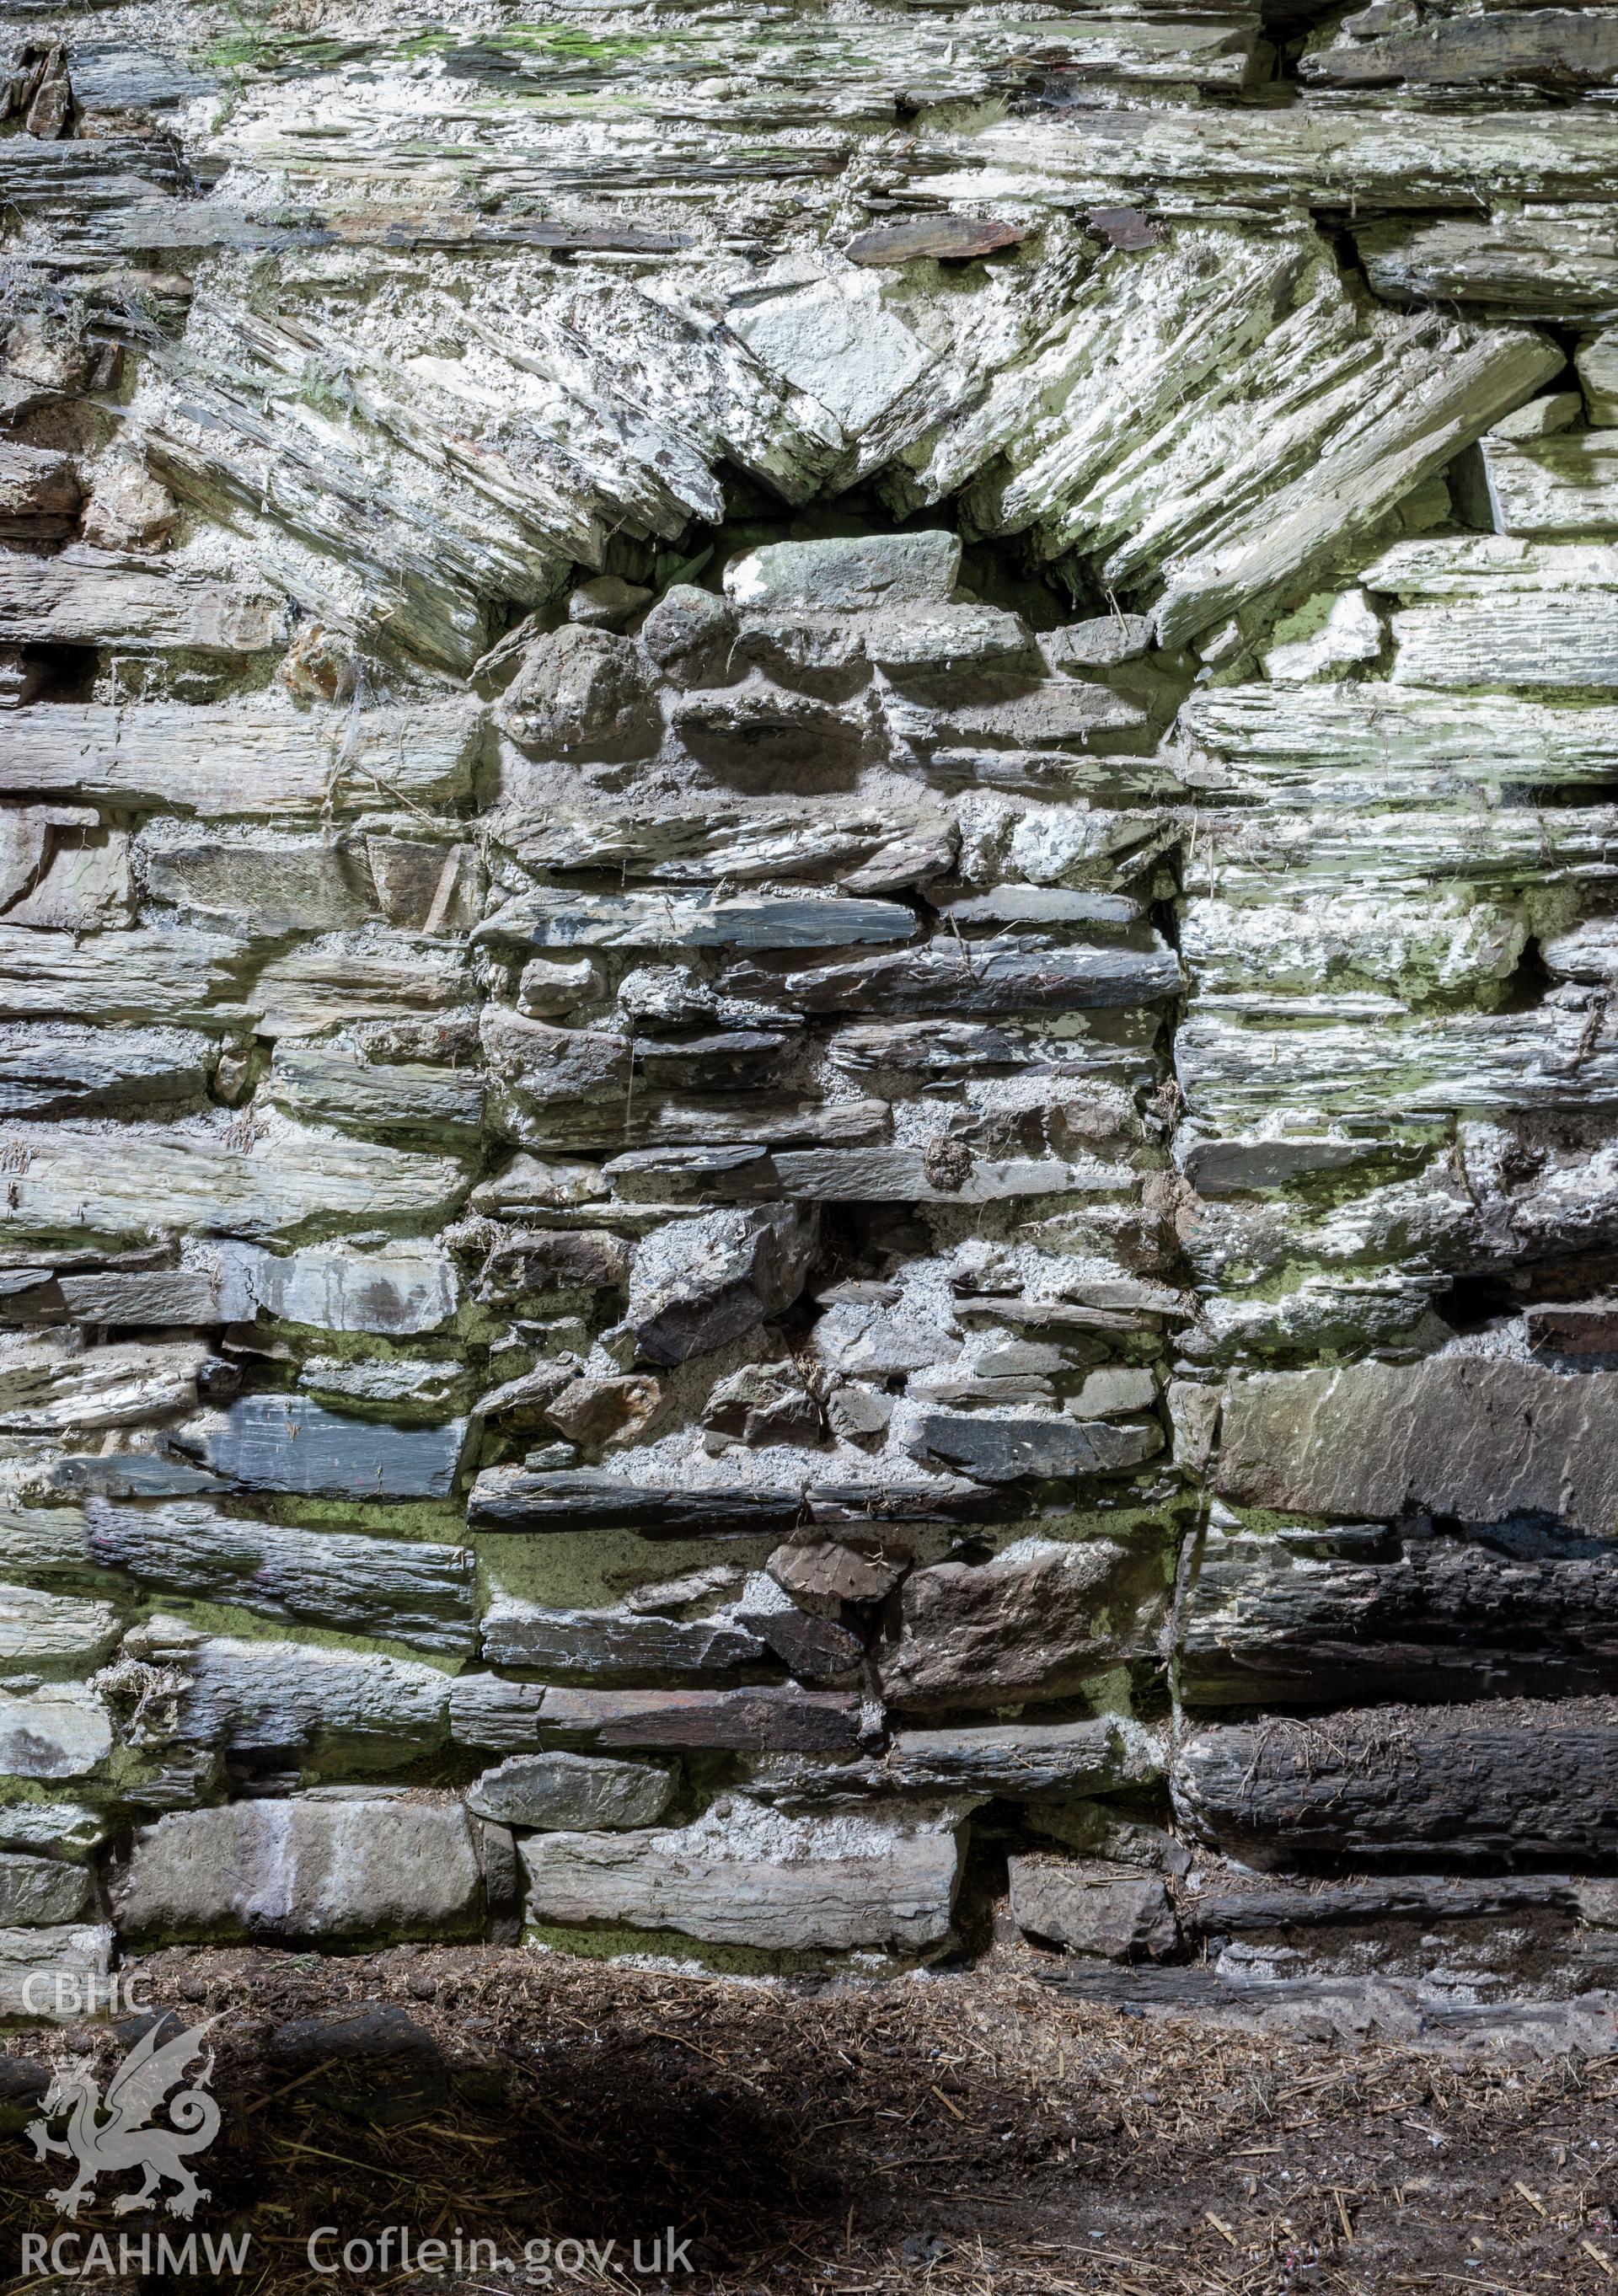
308,1867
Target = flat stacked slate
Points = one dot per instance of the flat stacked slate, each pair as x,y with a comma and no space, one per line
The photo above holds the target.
806,983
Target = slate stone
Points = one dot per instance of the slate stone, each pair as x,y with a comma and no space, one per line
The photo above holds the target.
1026,1761
699,920
613,1645
1589,1329
1091,1907
581,692
1292,1623
51,1633
823,1573
488,1712
893,1888
178,1295
998,1450
1101,643
763,1404
304,1869
760,734
940,239
35,1892
813,1648
285,1704
608,1412
700,1282
285,1443
689,633
573,1793
60,1730
65,1071
69,1963
64,1829
401,1590
845,574
1458,1436
510,1498
764,1720
526,1263
1503,1781
272,882
1037,1622
397,1292
1002,974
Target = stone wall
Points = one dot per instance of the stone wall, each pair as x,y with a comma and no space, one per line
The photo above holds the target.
806,1099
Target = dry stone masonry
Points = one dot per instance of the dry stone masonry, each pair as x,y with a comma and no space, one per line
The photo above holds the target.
809,901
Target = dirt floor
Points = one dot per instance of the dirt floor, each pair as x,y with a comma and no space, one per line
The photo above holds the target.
979,2131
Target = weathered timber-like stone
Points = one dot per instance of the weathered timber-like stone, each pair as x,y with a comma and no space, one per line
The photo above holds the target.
163,1295
488,1712
285,1443
1025,1761
304,1868
49,1384
193,760
1092,1907
611,1645
1456,1435
1566,485
1432,1619
1004,974
1496,1781
161,975
1545,262
1563,643
1304,738
374,975
36,1892
77,601
511,1499
293,1701
1220,1907
50,1634
1037,1622
1351,490
790,1886
400,1590
573,1793
696,920
1566,47
198,1176
765,1720
395,1099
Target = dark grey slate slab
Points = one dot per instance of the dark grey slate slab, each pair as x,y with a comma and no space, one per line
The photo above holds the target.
285,1443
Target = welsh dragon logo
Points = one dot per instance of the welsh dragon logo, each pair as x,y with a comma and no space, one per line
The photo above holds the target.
116,2132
